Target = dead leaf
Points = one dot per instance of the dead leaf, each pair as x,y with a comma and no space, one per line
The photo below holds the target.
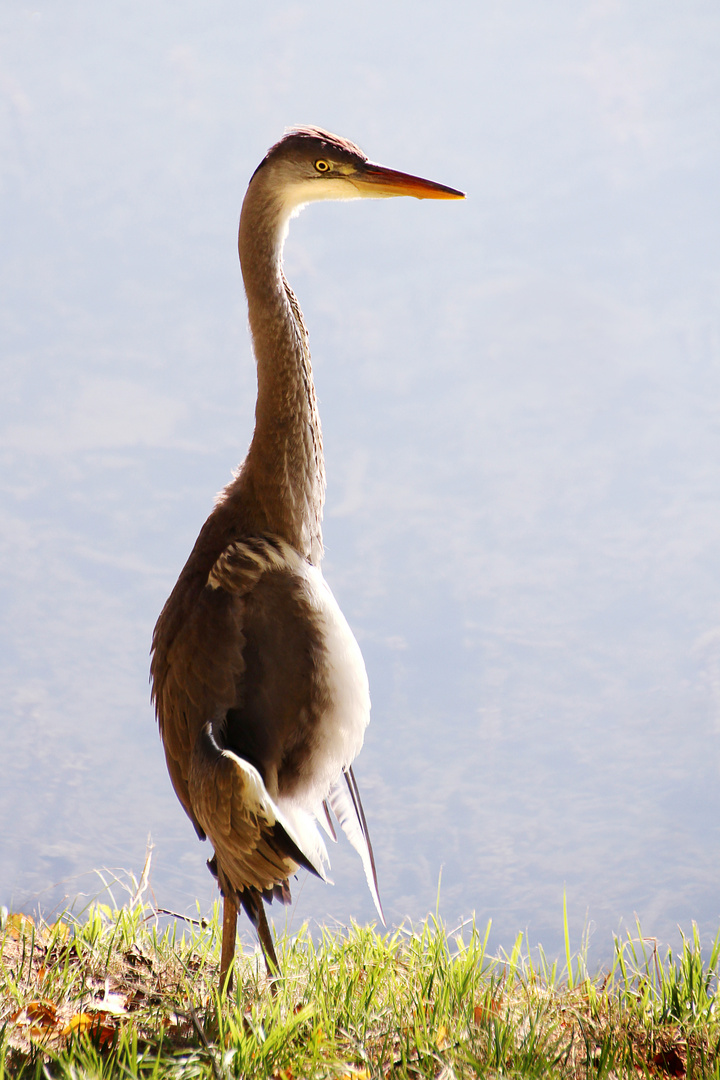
137,999
94,1025
483,1013
670,1061
61,930
19,925
136,957
37,1013
79,1023
42,1012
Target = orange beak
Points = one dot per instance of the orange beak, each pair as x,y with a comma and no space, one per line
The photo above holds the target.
379,182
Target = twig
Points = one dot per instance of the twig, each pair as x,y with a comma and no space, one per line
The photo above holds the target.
202,923
144,877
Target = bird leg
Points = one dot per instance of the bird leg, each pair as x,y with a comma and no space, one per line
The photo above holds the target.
230,913
268,948
252,901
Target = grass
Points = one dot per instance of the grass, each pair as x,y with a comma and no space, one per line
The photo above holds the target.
110,993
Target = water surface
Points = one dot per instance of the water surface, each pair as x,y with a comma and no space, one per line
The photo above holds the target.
521,405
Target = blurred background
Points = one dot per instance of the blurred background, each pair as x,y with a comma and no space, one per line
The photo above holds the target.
521,405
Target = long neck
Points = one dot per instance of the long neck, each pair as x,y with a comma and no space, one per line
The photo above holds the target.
285,466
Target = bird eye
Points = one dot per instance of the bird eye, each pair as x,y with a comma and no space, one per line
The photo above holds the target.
322,166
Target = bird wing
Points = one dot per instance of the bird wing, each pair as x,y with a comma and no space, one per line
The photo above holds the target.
233,681
239,702
197,667
256,844
345,803
198,655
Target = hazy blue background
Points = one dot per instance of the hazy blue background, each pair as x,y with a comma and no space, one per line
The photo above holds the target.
521,405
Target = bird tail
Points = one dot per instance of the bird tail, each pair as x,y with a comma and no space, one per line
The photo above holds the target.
346,805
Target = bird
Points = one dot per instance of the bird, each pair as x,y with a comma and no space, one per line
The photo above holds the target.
259,686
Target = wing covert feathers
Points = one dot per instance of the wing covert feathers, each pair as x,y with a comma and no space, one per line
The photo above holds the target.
255,843
243,562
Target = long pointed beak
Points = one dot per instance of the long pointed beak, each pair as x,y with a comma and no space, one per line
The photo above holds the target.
379,182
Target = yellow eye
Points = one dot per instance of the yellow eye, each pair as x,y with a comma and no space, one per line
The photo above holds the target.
322,166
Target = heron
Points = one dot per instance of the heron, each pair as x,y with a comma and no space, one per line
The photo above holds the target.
259,686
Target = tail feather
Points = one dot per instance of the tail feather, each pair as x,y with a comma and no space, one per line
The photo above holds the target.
346,805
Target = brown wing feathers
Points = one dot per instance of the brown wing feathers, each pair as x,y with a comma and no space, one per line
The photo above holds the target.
201,683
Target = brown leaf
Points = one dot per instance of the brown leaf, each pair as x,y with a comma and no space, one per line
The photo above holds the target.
482,1013
42,1012
36,1015
136,999
670,1061
19,925
95,1025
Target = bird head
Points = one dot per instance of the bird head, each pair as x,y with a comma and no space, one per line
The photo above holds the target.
309,164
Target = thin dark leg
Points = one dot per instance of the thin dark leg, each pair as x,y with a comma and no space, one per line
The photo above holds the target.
266,941
254,907
227,954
